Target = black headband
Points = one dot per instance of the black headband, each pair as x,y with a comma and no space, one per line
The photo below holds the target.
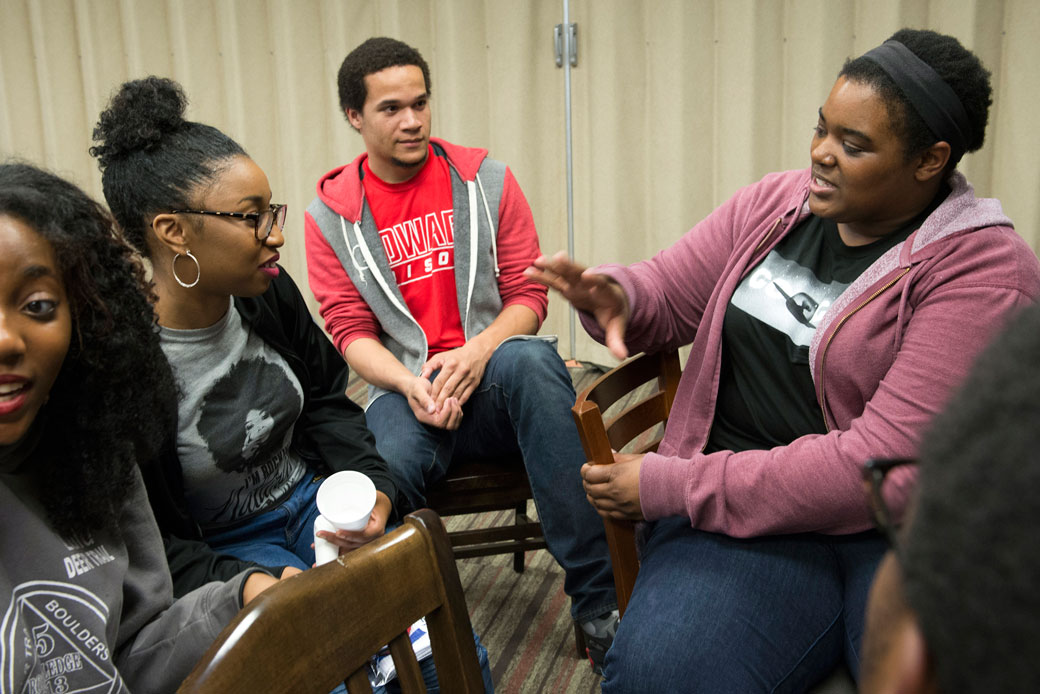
933,99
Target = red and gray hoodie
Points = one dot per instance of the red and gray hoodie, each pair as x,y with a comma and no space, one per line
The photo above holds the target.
495,240
884,358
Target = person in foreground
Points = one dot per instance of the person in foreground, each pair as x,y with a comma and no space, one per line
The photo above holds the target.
441,324
831,311
954,606
263,414
85,394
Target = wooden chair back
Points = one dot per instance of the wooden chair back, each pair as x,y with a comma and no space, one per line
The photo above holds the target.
642,388
319,628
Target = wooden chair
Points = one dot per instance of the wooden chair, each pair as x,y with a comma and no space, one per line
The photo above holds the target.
318,629
644,388
478,486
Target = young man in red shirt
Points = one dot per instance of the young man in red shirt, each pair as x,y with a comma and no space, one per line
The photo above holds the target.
416,252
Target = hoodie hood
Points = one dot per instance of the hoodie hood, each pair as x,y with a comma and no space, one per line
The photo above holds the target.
341,188
961,212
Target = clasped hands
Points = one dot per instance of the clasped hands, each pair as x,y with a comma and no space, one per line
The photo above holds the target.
439,402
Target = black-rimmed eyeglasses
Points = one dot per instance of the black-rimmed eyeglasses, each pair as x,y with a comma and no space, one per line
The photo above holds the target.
875,471
263,222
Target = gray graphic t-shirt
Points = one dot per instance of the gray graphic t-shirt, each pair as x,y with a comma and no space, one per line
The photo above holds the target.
239,401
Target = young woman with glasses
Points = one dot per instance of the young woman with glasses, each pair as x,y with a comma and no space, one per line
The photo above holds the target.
262,414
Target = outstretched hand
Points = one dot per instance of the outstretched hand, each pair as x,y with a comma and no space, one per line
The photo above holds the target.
613,490
587,291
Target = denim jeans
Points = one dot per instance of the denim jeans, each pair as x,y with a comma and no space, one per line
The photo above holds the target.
710,613
429,675
522,404
283,537
279,537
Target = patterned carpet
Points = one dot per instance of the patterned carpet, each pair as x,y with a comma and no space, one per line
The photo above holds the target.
523,619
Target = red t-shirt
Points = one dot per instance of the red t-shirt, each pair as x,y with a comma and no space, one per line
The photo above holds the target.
415,222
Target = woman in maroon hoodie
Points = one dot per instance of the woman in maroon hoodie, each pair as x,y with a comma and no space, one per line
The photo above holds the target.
831,310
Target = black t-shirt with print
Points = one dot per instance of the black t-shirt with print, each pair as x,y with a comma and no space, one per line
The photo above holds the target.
766,393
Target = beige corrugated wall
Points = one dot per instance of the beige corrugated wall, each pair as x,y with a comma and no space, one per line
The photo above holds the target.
676,102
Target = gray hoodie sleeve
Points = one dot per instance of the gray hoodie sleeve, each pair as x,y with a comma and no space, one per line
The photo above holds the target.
160,639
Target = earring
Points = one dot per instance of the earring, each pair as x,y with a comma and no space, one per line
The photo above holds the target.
198,271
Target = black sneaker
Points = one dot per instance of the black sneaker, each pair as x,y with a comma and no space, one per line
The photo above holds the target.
599,635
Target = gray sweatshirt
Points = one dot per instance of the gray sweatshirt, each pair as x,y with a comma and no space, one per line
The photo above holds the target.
96,612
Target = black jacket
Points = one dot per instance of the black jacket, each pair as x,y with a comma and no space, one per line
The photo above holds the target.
330,434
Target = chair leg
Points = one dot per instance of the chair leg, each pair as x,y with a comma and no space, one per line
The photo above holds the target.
519,518
579,642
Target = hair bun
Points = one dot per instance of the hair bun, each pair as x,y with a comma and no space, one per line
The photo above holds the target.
138,117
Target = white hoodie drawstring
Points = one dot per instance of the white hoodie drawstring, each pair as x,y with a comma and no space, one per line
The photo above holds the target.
351,249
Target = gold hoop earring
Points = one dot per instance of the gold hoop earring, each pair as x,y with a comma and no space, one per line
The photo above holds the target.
198,271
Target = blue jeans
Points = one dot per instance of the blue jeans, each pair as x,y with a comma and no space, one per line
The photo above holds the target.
711,613
283,537
429,673
522,404
279,537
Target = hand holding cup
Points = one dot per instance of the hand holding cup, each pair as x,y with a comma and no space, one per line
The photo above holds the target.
346,501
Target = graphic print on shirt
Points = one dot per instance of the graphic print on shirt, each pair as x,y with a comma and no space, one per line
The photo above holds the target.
787,297
54,637
85,554
419,247
246,422
239,413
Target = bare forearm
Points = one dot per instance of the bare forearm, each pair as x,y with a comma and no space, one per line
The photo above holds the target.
513,320
377,365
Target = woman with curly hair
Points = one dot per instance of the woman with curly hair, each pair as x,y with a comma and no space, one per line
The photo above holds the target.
85,394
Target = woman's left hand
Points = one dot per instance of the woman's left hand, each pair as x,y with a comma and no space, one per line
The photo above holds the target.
613,490
348,540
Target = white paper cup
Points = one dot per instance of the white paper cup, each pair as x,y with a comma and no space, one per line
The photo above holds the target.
324,551
346,499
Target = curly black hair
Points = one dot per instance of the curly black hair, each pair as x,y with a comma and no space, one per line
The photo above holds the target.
375,54
970,565
956,65
151,159
113,400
